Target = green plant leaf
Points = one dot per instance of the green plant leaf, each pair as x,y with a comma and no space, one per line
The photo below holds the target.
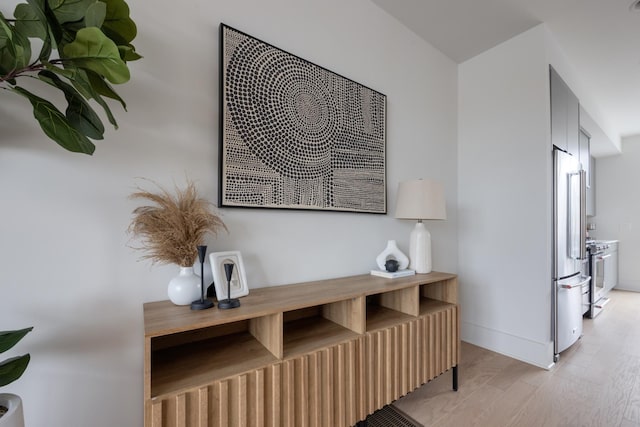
54,25
69,10
104,89
29,22
128,53
94,51
83,85
69,72
80,81
79,112
23,50
38,8
8,52
55,125
118,26
10,338
70,29
96,13
15,49
85,82
7,49
12,369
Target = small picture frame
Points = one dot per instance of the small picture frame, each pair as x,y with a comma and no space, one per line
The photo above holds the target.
239,287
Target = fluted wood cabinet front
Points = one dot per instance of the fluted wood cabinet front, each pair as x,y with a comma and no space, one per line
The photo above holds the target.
334,361
248,399
321,388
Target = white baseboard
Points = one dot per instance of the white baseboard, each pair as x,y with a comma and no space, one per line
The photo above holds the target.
627,287
532,352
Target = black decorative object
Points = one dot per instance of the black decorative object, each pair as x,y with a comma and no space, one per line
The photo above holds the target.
391,265
202,303
211,291
296,135
229,303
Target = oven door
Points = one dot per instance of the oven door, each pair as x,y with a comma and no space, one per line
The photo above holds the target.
597,263
598,288
586,289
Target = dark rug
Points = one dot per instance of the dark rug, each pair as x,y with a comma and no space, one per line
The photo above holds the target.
389,416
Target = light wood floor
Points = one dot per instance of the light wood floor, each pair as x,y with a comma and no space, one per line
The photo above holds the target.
595,383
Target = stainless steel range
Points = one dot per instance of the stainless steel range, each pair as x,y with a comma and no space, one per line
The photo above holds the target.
598,256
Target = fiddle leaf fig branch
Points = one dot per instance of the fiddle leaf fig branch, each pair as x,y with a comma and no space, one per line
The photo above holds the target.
86,45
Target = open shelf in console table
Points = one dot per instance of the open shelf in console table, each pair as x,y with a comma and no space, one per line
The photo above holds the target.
328,352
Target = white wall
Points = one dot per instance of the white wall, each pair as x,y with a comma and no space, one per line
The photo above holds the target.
505,194
504,165
618,209
66,268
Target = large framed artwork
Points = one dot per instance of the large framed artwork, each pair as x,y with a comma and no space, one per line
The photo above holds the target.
295,135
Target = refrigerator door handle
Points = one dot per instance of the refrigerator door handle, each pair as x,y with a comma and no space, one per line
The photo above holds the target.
576,209
573,222
583,214
583,280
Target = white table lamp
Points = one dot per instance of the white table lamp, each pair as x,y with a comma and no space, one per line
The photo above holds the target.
420,199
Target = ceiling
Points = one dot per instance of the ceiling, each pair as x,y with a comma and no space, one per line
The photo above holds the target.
601,39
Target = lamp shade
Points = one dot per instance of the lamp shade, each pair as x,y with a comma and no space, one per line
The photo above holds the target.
420,199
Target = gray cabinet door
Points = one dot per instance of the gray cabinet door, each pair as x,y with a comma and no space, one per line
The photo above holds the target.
559,104
565,115
585,157
573,123
591,189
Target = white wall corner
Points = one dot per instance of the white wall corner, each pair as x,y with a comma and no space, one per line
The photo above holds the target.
505,224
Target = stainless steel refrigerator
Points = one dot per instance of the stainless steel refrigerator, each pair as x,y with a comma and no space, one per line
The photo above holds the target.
569,206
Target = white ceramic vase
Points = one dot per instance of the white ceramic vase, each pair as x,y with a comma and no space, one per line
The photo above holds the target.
392,252
14,417
185,287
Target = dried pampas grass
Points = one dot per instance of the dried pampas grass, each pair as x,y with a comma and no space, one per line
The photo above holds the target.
171,229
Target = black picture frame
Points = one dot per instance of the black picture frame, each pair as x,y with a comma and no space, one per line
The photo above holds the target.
294,135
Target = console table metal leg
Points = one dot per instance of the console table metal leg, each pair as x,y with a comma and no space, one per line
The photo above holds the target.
455,378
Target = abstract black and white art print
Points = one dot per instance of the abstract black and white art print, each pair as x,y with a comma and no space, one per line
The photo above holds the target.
295,135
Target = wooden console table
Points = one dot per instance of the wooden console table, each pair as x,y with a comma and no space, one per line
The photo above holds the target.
325,353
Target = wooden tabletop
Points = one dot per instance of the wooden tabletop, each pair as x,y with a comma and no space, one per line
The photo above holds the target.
163,317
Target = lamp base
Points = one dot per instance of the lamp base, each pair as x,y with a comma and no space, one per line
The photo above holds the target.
229,303
420,249
201,304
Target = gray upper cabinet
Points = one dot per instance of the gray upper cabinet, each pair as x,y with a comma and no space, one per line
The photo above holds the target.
591,190
585,154
565,115
573,123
